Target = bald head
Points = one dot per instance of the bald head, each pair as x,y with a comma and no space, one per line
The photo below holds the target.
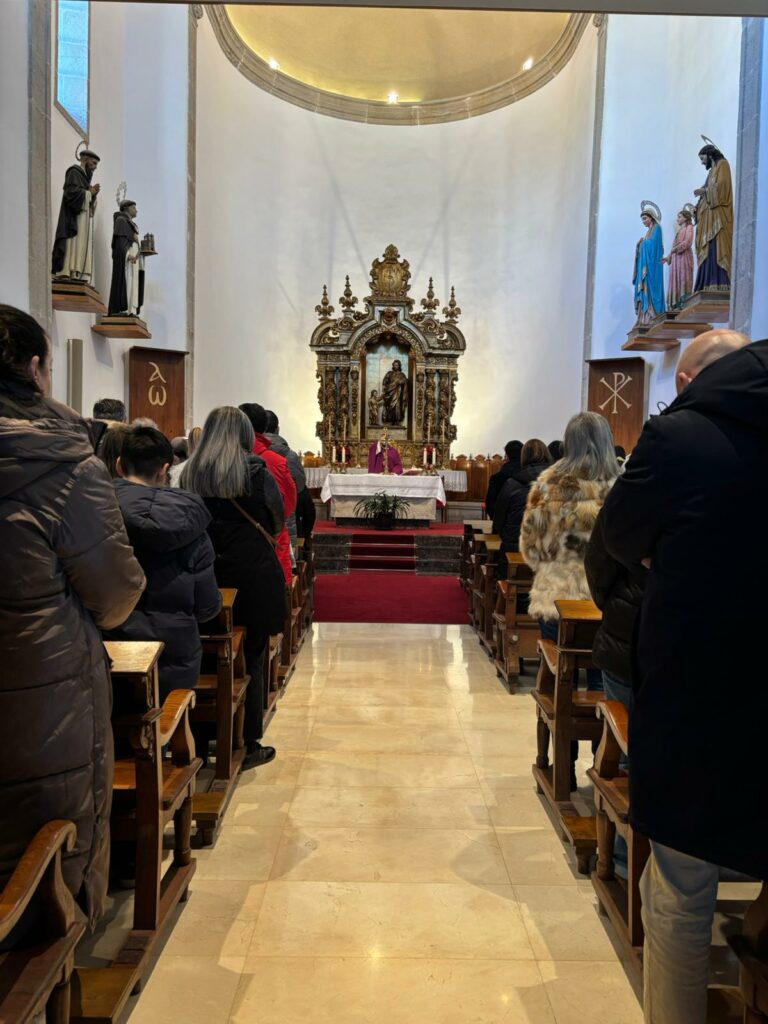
705,350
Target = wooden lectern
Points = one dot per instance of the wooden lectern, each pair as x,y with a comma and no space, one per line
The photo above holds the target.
157,388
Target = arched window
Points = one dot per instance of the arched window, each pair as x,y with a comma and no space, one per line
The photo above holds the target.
73,62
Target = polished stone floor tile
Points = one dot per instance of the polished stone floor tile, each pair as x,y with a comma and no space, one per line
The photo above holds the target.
415,771
385,739
516,808
394,717
537,856
501,742
260,805
283,771
389,919
385,696
505,771
563,922
217,920
315,990
240,853
593,993
390,855
390,807
189,990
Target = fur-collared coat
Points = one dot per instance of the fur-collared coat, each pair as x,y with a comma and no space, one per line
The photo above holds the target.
557,525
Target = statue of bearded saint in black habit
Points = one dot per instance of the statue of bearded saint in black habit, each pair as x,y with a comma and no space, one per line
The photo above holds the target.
72,258
394,395
126,294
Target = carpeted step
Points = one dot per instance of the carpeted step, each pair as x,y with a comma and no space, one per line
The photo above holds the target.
402,564
389,597
382,537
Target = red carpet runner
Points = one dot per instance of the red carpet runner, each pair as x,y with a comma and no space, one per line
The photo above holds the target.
390,597
382,550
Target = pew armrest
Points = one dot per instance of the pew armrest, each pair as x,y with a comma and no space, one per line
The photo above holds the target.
615,738
40,869
174,725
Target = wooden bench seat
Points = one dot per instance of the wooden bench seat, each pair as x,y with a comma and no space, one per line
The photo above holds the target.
35,975
565,713
174,780
516,633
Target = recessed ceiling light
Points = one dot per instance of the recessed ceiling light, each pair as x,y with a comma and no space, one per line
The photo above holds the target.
528,64
274,64
393,97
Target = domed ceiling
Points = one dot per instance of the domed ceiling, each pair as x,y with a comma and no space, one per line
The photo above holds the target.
396,65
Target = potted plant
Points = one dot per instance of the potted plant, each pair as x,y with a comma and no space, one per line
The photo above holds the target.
383,509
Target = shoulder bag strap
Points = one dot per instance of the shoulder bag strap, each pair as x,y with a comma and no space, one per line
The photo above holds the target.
253,522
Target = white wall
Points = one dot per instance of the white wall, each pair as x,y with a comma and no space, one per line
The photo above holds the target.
14,119
139,129
668,81
498,205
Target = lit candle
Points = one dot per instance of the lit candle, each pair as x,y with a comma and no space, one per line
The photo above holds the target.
425,455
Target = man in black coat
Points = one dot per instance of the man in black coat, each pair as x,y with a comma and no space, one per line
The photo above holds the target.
167,528
691,506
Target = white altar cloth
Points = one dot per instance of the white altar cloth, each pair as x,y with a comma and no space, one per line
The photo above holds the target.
453,479
359,485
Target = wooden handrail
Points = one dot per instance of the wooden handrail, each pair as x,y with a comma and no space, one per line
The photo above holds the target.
31,869
617,717
174,706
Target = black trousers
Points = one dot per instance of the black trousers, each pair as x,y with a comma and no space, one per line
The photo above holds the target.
254,648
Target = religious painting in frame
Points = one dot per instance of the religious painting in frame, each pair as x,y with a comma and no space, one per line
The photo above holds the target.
618,390
388,392
157,388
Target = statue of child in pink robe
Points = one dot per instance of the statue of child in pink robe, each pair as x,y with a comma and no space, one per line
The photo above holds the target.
376,458
680,260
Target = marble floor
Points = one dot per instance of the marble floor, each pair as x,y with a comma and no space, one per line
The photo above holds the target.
393,865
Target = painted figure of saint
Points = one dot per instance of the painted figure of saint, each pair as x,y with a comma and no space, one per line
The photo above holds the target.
72,257
649,270
126,294
714,222
680,262
394,395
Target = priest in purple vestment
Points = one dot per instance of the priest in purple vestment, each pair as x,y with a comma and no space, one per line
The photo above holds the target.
376,457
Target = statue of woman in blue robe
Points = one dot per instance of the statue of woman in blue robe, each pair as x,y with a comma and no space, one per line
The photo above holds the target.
649,269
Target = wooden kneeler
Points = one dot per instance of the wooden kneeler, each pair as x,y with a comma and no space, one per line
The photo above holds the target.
35,974
221,692
149,792
517,634
618,898
272,687
487,633
565,713
290,644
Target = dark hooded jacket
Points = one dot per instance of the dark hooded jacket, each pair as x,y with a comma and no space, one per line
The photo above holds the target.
497,481
693,501
167,528
509,506
618,593
66,568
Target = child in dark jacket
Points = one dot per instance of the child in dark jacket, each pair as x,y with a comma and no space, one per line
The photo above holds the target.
167,528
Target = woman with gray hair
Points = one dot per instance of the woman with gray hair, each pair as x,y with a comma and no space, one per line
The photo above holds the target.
247,514
562,507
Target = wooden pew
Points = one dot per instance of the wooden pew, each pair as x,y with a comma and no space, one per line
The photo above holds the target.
272,687
149,792
472,527
221,693
290,644
618,898
306,560
751,948
487,550
565,713
516,633
35,974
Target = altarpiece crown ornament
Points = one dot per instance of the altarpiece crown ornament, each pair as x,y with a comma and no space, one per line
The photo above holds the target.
379,368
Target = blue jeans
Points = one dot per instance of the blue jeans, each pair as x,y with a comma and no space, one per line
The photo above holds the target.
617,689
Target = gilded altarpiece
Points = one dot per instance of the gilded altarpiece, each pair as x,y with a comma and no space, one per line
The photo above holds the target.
386,367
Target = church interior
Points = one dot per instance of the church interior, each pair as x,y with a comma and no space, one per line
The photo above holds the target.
382,392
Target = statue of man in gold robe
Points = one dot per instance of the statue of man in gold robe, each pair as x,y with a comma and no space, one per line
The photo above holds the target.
714,223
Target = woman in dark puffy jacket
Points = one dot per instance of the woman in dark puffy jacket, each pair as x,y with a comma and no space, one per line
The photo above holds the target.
510,504
246,517
167,528
66,568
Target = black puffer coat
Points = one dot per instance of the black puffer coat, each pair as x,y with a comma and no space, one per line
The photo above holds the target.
509,507
618,593
692,500
497,481
66,567
167,528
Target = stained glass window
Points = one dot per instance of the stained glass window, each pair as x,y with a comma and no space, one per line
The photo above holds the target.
72,57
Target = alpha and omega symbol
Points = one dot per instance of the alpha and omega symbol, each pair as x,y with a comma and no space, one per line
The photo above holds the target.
620,381
157,393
